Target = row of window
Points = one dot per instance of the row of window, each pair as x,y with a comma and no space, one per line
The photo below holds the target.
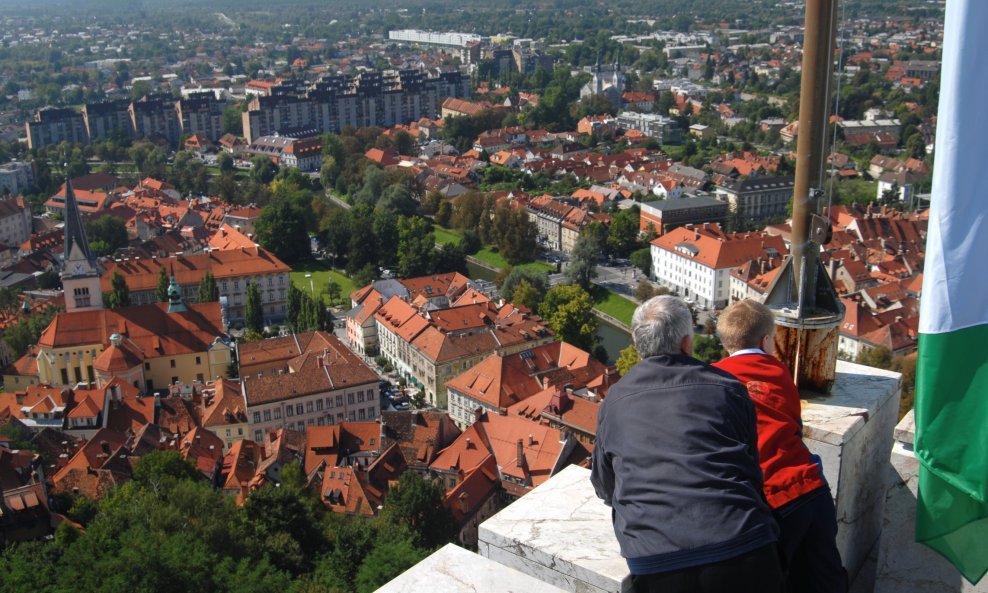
309,407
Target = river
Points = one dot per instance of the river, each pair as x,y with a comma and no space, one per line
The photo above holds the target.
612,337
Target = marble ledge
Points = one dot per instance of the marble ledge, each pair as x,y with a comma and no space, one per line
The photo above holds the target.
562,533
858,394
452,569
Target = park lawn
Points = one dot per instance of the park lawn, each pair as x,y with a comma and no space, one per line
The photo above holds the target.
614,305
444,236
322,273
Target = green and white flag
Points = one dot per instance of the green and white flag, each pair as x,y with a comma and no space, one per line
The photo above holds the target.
952,369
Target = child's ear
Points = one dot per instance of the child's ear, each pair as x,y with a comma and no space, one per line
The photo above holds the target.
768,344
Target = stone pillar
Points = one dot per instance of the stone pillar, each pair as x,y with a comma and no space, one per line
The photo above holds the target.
851,431
903,564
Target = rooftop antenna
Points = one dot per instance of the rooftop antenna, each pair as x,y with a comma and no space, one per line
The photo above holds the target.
807,308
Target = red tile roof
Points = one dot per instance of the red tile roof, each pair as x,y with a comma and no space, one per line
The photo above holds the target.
149,328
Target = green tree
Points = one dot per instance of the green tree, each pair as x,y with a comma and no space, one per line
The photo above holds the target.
119,295
582,266
416,502
627,358
527,295
515,234
444,213
708,348
254,316
416,246
233,120
642,259
568,310
208,291
285,518
450,258
878,357
387,560
333,291
645,290
108,233
537,281
225,162
159,471
622,236
329,171
21,335
281,229
262,170
293,307
163,282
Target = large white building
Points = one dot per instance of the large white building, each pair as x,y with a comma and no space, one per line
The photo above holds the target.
15,177
450,38
696,261
15,222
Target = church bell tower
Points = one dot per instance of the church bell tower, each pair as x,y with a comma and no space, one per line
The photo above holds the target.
80,271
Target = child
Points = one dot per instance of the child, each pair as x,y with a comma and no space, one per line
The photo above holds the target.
794,484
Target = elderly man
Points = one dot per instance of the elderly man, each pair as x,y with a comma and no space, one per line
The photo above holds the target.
676,458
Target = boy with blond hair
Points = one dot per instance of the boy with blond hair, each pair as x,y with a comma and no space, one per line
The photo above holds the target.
794,484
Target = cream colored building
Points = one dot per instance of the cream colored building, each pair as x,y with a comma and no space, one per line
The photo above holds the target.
325,385
233,269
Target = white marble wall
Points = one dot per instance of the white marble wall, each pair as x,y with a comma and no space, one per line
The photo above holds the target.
452,569
903,564
560,533
851,431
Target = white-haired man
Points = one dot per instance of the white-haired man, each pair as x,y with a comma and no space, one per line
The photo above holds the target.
676,458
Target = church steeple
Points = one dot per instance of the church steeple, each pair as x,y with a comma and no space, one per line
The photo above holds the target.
80,270
75,232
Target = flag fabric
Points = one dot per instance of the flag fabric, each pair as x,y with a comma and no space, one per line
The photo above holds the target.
952,368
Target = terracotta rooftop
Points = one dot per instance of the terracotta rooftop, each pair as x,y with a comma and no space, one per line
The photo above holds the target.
712,248
142,275
333,368
149,328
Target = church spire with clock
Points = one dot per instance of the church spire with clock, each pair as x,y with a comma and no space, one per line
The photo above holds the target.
80,270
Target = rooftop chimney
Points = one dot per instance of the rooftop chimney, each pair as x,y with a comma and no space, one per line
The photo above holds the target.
521,453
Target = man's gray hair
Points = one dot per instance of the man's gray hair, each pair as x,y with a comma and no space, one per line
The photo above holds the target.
659,326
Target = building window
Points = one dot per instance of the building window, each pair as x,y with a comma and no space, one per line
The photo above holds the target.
298,409
319,405
172,362
339,400
240,432
199,377
147,366
349,398
198,360
228,432
361,414
289,411
308,407
360,396
277,413
267,415
257,417
312,422
257,436
174,380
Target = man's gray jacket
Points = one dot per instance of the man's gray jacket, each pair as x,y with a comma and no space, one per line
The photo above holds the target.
676,458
